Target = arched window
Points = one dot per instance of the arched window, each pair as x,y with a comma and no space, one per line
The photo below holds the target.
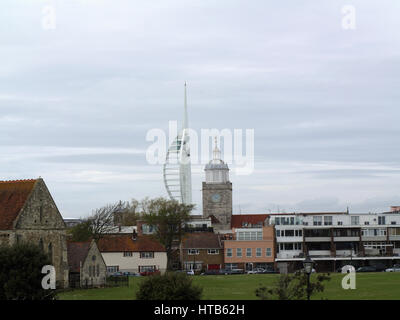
50,251
41,244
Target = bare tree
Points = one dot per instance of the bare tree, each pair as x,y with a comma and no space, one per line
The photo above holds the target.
102,219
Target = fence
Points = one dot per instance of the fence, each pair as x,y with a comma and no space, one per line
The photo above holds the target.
112,281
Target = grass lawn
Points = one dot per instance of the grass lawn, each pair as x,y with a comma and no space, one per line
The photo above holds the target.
374,286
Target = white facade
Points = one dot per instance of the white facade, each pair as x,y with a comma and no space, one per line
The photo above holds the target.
133,262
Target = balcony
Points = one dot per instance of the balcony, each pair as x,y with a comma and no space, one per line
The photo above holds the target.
317,239
342,239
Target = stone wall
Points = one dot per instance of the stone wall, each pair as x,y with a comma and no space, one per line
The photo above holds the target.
222,209
93,270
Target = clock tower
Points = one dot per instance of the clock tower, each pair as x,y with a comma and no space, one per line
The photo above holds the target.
217,192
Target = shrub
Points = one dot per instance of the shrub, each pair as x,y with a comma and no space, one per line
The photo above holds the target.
292,287
21,273
170,286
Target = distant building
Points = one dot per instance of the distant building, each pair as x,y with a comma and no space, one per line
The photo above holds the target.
132,253
72,222
202,251
217,193
28,213
250,247
87,267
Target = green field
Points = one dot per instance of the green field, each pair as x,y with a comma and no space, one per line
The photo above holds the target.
373,286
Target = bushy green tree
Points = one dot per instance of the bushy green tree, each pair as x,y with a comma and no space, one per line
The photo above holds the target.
169,217
292,287
170,286
21,273
81,232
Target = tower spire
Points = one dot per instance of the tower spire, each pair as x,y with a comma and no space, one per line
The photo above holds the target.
185,115
216,152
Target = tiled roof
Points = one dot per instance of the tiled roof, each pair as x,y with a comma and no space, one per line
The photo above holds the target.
121,243
240,220
13,195
77,253
201,240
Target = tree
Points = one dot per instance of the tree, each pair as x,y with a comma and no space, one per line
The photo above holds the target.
81,232
169,218
170,286
102,219
100,222
292,287
21,273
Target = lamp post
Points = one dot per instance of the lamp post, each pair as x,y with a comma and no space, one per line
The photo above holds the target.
308,266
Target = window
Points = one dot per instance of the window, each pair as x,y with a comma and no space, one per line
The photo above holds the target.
328,220
50,251
128,254
292,220
147,268
258,252
289,233
381,220
268,252
393,222
298,233
229,252
146,255
355,220
249,235
278,233
112,269
340,223
248,252
193,251
98,270
366,222
239,252
212,251
317,220
230,266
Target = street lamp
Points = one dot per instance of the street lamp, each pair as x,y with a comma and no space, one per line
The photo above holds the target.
308,266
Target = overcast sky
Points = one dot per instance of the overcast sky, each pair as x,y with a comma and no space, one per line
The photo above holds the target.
77,101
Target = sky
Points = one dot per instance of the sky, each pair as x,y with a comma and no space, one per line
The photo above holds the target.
82,82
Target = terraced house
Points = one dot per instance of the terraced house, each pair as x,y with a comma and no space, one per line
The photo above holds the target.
202,251
132,253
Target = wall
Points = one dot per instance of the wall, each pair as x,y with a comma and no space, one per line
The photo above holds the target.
132,264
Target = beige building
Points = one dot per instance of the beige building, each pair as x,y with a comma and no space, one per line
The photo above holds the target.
132,253
29,213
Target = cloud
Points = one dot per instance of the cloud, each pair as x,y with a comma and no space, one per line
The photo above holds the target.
76,102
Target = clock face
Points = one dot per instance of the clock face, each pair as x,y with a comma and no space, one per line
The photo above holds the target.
216,197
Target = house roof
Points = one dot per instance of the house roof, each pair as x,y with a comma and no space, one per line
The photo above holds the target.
13,195
240,220
121,243
77,253
201,240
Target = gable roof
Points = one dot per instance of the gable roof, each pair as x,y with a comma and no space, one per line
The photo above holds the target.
77,253
240,220
201,240
121,243
13,196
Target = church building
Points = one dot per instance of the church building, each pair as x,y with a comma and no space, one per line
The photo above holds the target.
28,213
